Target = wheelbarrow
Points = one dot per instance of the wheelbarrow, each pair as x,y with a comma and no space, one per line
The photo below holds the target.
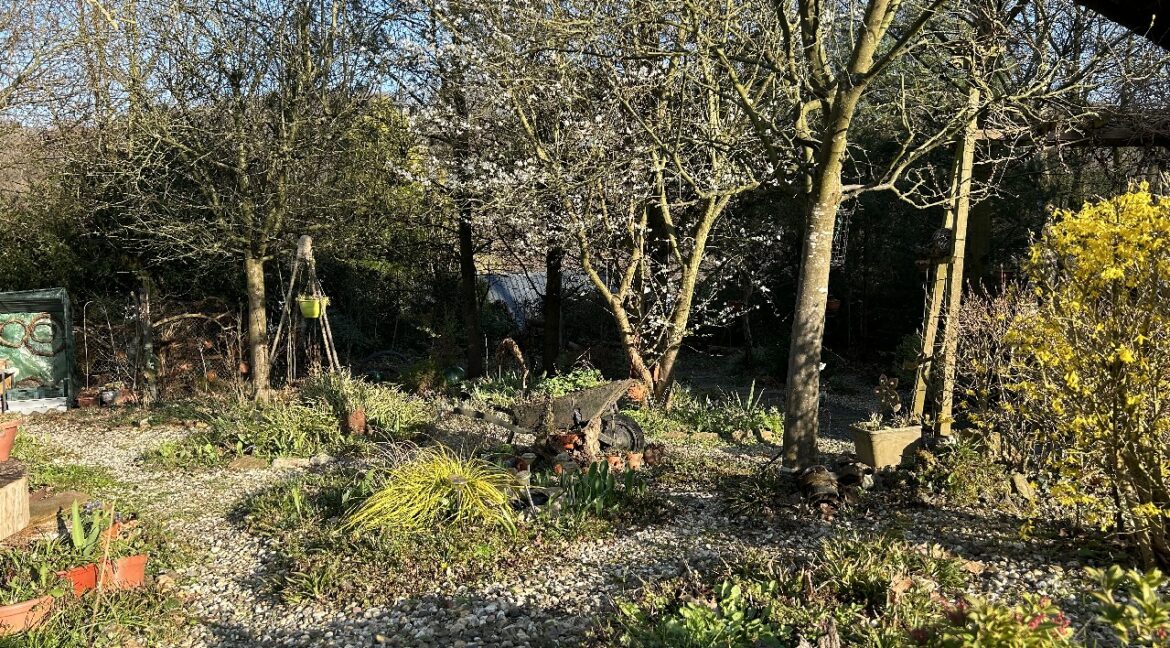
574,412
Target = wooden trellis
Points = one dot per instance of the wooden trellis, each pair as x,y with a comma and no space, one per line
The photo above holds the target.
304,268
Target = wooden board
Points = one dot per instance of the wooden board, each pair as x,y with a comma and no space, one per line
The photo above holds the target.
13,497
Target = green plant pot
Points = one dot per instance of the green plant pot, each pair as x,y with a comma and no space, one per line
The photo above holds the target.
312,307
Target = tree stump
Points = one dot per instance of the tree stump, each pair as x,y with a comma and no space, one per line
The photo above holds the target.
13,497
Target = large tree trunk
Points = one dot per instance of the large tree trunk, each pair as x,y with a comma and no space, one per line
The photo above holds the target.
808,325
552,309
257,325
470,299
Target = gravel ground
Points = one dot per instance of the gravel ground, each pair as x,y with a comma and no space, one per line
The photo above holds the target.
556,601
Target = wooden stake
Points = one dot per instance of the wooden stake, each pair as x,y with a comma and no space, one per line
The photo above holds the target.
955,280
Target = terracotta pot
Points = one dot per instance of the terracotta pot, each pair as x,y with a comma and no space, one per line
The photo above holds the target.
84,578
566,441
355,421
616,463
125,573
22,616
634,460
85,401
117,574
7,437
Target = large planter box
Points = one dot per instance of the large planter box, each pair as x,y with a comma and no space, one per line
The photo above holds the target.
887,446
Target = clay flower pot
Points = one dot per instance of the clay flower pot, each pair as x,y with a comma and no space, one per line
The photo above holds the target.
355,421
113,531
125,573
84,578
87,400
566,441
7,437
22,616
634,460
118,574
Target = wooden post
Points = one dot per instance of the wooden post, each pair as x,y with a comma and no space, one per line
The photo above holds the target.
955,280
13,497
937,295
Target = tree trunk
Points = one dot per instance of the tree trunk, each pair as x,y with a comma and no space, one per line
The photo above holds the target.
470,298
552,309
257,325
808,325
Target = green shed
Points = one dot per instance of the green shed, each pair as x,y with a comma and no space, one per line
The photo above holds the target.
36,338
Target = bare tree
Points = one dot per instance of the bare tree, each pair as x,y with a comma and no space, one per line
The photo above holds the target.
633,134
233,128
919,71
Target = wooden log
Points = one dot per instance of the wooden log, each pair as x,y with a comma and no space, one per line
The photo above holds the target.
13,497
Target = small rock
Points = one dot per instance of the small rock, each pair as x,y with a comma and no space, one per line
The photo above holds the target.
1021,486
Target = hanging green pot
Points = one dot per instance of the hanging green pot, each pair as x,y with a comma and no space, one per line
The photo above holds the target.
312,307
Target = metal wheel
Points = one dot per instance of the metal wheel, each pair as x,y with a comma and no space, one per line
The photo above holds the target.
620,432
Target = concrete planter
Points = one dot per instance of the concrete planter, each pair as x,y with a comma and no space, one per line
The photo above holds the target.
887,446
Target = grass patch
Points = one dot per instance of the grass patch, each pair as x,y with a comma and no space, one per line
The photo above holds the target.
309,521
144,617
297,424
729,416
504,390
40,459
872,590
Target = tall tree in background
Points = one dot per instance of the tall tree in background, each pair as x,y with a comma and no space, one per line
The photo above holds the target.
631,135
902,64
234,130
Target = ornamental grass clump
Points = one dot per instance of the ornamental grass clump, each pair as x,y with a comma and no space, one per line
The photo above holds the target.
438,487
1094,361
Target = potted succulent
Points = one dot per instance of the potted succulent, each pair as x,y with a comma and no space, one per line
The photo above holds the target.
888,437
9,426
312,305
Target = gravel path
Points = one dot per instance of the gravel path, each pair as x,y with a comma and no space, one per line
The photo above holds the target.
555,602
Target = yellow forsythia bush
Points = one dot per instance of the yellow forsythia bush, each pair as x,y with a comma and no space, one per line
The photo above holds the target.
1096,360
